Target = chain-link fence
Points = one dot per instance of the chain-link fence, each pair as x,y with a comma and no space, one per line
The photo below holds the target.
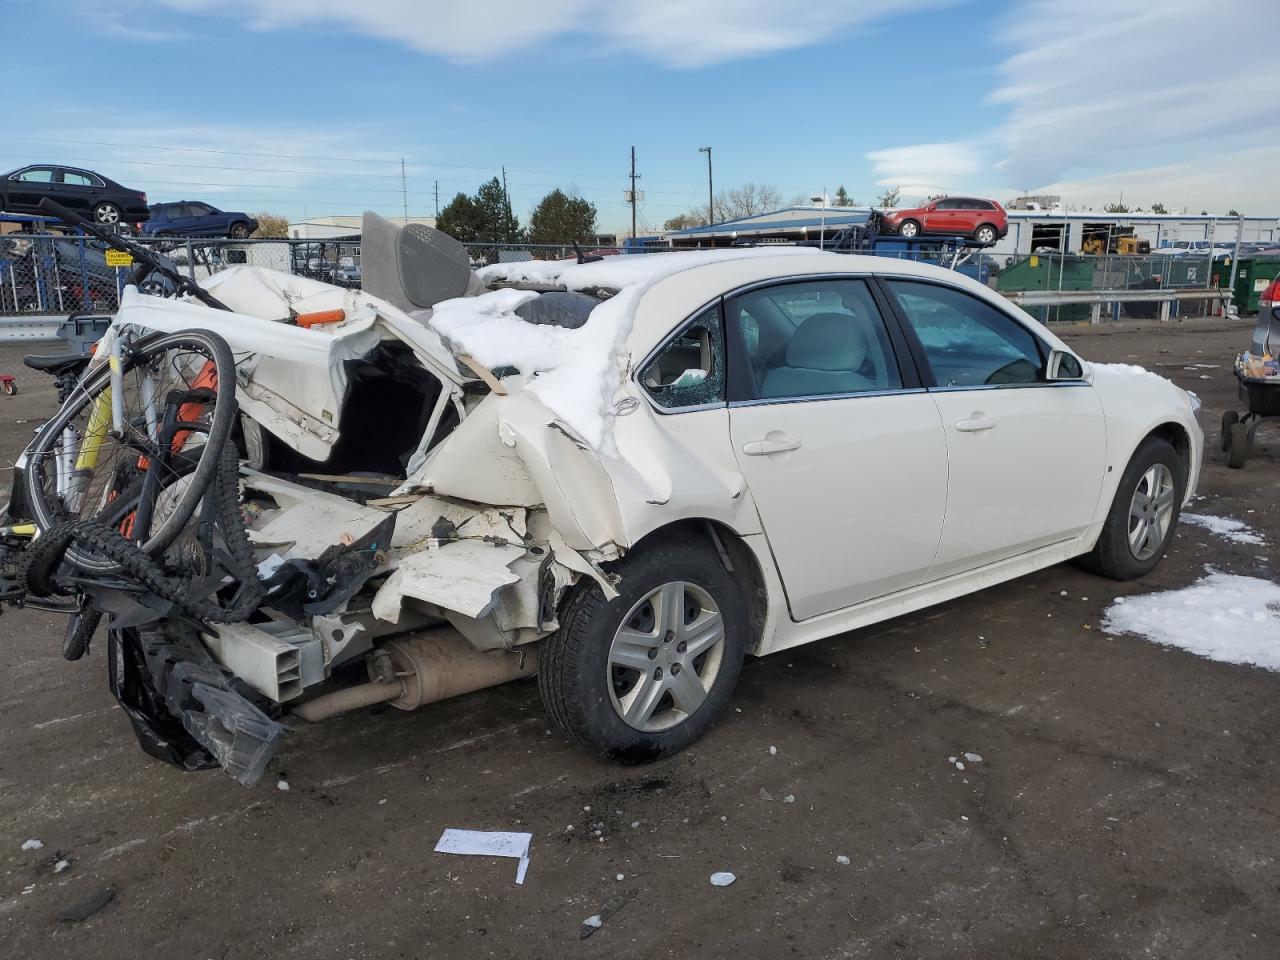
44,275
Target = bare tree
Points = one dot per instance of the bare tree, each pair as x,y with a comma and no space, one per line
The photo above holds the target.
889,198
748,200
271,225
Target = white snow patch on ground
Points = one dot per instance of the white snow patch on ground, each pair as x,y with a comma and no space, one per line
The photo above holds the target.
1223,616
574,372
1233,530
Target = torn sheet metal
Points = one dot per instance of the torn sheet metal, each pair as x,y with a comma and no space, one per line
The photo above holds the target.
308,521
292,380
463,576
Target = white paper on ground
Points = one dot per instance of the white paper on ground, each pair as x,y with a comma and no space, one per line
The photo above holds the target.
488,843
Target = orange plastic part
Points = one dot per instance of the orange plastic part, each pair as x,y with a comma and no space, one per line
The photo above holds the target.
308,320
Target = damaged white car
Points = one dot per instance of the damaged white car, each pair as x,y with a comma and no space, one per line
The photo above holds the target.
623,476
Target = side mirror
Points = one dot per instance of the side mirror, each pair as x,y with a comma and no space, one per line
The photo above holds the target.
1064,366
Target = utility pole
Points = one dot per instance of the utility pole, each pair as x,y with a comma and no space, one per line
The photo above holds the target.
437,199
634,177
711,204
404,191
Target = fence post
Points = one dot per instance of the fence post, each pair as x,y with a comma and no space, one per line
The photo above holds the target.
191,260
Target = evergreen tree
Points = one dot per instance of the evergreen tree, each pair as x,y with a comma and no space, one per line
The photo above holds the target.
497,221
461,220
842,197
559,218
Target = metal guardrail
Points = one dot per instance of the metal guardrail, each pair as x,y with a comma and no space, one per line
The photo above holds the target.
20,329
1098,298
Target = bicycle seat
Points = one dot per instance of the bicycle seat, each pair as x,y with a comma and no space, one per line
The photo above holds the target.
57,363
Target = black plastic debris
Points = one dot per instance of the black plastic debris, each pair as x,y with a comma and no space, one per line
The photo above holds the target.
87,906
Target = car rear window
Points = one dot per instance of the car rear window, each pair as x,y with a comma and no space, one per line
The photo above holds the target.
558,309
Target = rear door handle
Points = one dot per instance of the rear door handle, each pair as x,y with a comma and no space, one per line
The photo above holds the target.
975,424
762,448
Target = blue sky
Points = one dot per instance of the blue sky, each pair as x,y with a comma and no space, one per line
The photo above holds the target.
305,107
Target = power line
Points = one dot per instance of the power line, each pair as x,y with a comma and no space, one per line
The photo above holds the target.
295,156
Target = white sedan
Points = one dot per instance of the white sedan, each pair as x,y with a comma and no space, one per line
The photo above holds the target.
835,441
625,475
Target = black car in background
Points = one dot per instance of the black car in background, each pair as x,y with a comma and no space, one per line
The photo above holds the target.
91,194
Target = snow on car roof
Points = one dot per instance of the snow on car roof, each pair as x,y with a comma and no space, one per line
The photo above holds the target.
575,373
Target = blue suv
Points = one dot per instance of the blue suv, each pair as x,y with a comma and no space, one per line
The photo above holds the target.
191,218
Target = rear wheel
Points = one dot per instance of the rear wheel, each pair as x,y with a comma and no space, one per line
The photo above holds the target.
239,231
1143,514
1228,419
644,675
985,234
909,229
1237,445
107,213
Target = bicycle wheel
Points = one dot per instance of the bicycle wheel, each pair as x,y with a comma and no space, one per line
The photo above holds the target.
136,449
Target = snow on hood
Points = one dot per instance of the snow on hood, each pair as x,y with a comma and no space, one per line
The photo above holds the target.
575,373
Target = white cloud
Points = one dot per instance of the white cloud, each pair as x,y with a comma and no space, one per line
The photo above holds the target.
677,33
1095,85
1244,180
925,169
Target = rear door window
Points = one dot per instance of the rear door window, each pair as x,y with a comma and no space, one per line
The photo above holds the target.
816,338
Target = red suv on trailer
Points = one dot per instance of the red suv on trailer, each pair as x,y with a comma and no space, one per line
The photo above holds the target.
984,220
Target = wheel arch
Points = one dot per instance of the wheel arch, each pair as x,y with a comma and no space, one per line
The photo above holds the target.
1178,437
738,558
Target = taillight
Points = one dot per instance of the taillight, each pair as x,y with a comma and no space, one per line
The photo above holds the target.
1271,295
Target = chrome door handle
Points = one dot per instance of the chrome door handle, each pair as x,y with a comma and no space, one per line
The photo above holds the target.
975,424
762,448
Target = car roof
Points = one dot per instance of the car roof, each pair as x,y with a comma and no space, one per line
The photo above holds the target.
681,295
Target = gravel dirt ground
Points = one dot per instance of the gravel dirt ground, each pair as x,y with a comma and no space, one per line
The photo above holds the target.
1125,804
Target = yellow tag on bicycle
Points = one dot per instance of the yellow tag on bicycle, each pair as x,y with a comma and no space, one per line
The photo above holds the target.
118,258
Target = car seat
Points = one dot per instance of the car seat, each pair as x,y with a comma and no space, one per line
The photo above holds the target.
823,357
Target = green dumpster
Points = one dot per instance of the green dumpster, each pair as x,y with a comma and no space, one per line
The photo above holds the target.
1253,275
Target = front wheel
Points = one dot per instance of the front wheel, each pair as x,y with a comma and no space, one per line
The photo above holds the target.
909,229
1143,514
644,675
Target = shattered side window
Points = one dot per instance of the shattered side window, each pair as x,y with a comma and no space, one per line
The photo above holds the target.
689,370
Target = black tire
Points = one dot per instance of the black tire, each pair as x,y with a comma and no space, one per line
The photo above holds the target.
48,511
985,234
106,213
1112,556
909,229
239,231
1228,418
80,630
574,673
10,388
1237,445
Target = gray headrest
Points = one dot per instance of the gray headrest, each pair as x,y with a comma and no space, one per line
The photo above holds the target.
828,341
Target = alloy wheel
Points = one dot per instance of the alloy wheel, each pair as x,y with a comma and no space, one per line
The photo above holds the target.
665,657
107,214
1151,511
